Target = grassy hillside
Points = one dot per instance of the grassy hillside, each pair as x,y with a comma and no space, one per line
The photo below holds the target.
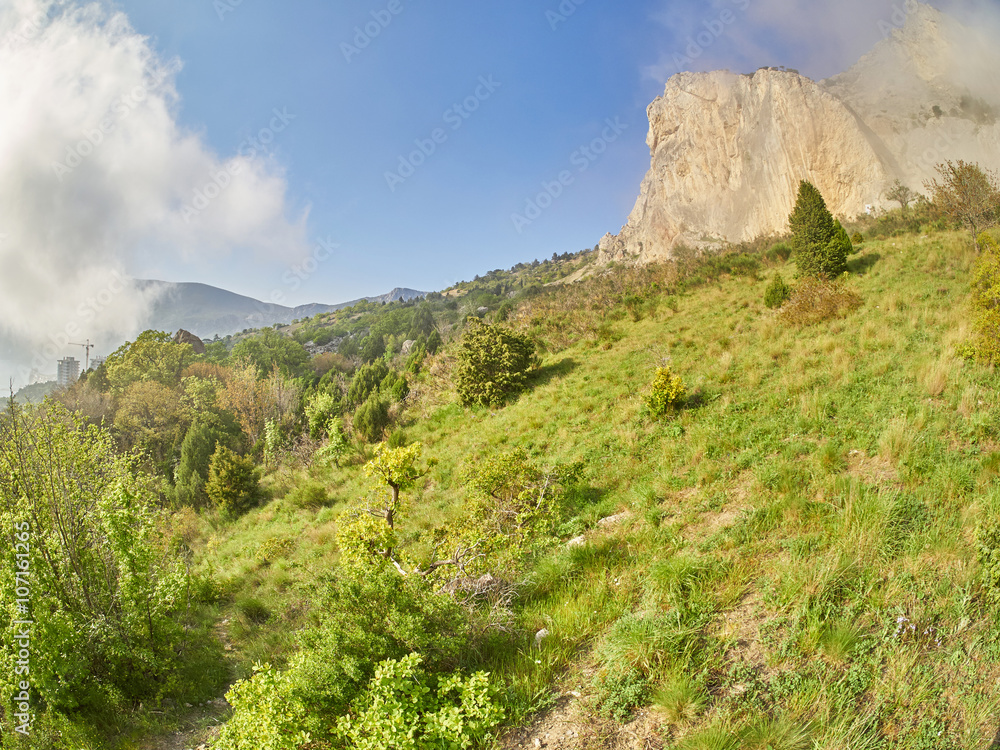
796,566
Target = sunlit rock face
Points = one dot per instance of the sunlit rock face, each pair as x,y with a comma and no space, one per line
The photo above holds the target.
728,150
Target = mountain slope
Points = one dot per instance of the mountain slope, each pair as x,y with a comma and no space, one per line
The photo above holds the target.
206,310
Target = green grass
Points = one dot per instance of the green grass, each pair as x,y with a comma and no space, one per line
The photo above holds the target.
822,483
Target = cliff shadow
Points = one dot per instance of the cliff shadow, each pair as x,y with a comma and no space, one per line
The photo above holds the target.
545,375
863,263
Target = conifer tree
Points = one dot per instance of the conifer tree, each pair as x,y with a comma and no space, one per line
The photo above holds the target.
821,245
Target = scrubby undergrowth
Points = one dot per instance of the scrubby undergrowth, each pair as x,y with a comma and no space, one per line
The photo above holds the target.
802,564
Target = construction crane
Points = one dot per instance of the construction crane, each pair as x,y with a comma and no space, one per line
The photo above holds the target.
88,346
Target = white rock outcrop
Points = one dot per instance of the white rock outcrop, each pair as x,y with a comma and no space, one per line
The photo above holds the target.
728,150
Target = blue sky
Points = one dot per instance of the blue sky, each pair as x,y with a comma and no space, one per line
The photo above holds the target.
549,93
558,78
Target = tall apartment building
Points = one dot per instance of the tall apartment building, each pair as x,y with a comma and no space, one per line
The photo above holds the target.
69,372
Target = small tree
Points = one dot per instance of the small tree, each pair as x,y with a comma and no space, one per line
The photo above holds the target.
493,364
232,481
901,194
820,249
968,195
777,293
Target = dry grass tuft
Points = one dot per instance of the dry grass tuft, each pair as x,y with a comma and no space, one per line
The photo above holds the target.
816,300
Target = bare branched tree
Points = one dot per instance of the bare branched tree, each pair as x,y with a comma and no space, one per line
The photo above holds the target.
968,195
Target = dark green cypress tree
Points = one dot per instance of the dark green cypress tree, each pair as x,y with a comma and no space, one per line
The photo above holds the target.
819,248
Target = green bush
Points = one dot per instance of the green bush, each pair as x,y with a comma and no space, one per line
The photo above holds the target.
988,552
372,418
666,392
493,364
620,692
821,244
233,482
777,293
986,301
780,252
363,620
321,409
406,708
107,589
366,381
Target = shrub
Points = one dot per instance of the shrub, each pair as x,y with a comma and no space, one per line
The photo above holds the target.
366,381
320,411
986,301
107,587
233,482
666,392
620,692
404,707
821,244
988,552
372,418
779,252
777,293
858,239
815,300
493,364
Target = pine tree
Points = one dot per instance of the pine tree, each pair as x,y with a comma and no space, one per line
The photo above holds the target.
820,249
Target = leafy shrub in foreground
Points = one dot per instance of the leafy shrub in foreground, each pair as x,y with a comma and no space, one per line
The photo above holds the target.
364,620
103,584
815,300
777,293
406,708
493,364
666,392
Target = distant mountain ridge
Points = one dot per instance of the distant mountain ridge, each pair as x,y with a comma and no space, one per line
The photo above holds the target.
207,311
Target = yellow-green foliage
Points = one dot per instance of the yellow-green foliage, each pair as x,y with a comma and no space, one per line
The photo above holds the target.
986,300
665,393
406,708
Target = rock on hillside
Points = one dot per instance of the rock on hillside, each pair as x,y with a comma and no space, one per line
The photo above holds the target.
729,150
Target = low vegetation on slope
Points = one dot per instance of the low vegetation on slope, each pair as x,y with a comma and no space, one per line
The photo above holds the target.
724,525
796,555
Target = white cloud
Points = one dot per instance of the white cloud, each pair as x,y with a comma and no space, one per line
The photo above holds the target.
95,170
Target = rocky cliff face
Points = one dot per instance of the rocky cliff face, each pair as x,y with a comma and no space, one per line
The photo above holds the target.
728,151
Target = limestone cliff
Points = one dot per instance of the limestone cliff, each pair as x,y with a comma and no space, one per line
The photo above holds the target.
728,151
